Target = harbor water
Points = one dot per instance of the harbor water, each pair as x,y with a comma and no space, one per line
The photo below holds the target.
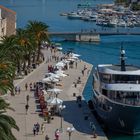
107,51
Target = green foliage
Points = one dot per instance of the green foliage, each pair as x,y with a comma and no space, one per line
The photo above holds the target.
135,7
6,122
15,50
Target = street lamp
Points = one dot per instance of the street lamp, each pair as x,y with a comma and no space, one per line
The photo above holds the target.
70,130
61,107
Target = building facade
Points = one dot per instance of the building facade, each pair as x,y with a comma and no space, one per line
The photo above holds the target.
7,22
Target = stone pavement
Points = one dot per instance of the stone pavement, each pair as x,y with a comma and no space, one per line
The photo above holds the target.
72,115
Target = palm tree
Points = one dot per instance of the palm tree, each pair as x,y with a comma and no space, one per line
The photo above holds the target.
12,50
7,71
39,31
6,122
25,42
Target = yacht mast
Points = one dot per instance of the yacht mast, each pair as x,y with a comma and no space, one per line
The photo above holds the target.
123,59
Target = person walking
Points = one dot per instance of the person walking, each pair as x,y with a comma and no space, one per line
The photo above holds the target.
46,137
26,108
19,90
34,129
31,86
42,128
37,128
16,89
27,99
26,86
57,134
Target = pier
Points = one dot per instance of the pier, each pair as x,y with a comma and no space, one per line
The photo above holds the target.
88,36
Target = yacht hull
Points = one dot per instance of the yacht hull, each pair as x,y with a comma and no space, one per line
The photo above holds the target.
118,117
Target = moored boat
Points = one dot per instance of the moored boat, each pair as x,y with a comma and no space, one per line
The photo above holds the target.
116,96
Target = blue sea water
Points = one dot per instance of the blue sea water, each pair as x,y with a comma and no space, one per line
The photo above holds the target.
107,51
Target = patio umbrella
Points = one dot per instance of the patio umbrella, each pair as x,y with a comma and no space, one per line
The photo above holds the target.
60,64
61,74
50,79
54,101
71,59
76,55
56,90
59,71
52,75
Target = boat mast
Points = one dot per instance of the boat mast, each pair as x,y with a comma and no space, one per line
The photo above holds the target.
122,59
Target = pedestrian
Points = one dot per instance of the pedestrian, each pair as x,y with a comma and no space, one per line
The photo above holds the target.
26,86
26,108
42,128
18,90
75,84
76,65
83,72
37,128
31,86
27,99
57,134
93,130
46,137
34,129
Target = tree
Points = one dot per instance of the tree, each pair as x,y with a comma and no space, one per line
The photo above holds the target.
25,42
13,51
6,122
39,31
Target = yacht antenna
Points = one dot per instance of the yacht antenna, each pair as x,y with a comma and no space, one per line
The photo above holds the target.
122,58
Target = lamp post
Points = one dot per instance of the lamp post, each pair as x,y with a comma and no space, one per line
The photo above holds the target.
61,107
70,130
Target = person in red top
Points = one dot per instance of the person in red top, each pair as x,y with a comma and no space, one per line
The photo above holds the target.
57,134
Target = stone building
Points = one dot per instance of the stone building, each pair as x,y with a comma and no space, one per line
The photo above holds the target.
7,21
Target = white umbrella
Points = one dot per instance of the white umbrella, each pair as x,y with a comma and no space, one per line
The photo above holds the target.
52,75
71,59
59,48
61,74
50,79
59,71
76,55
54,90
54,101
60,64
65,61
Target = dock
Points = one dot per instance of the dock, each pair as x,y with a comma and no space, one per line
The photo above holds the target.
73,116
88,36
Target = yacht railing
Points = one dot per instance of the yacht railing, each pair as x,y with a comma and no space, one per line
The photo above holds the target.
127,82
126,101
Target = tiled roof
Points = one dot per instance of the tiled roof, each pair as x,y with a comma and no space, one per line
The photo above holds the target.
8,10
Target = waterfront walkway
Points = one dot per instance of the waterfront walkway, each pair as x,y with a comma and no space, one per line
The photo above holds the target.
73,116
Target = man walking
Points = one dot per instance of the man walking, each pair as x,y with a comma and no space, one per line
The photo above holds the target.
26,108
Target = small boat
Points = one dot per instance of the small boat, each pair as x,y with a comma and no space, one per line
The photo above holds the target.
63,14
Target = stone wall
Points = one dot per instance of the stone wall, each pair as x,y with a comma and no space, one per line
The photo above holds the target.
11,20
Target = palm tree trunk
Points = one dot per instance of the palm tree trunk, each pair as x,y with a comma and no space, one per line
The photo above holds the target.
38,52
18,67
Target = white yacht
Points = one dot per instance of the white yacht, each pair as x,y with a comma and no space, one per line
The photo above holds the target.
116,96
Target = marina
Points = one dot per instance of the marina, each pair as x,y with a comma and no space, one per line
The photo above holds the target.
107,15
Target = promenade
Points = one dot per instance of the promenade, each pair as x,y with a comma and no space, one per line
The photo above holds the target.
73,116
